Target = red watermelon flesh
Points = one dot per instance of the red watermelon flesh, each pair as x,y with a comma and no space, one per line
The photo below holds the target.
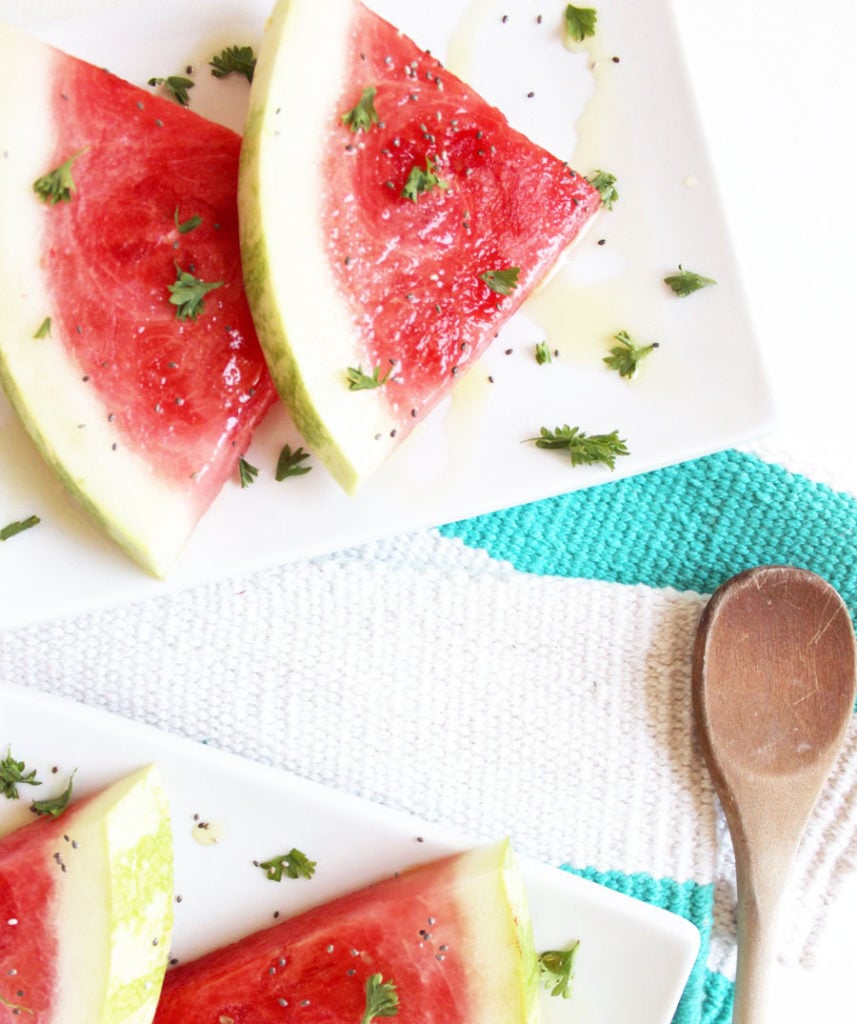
411,270
452,936
177,397
86,909
344,270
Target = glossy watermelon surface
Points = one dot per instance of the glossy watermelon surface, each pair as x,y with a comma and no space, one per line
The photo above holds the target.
413,270
136,401
445,935
394,239
28,948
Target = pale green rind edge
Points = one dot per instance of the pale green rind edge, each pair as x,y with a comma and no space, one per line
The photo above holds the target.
500,941
136,549
117,897
267,318
530,973
358,445
135,1001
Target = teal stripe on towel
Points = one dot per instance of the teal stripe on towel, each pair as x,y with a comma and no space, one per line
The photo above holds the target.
690,527
707,997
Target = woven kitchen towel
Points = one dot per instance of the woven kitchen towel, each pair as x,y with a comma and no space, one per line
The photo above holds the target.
523,673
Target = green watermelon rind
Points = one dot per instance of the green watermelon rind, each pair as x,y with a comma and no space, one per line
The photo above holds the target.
508,926
303,323
64,419
112,905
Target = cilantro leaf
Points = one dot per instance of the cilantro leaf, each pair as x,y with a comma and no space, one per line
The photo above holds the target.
580,22
188,292
501,281
293,864
543,353
289,463
238,60
18,527
583,449
362,116
186,225
52,807
605,183
421,181
246,473
382,999
557,969
627,355
57,185
13,774
685,282
176,86
359,381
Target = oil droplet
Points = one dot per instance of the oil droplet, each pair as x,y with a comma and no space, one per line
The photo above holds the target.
207,833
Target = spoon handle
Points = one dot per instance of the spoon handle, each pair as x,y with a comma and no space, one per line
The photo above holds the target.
760,895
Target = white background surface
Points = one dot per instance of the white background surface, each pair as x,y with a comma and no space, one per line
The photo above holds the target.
776,88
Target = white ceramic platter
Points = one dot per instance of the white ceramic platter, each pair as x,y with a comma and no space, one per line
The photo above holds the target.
703,390
633,959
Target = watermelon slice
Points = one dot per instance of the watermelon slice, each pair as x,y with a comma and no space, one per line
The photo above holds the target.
86,909
391,222
452,938
141,405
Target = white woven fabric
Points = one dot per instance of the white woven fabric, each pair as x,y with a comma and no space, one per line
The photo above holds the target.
421,674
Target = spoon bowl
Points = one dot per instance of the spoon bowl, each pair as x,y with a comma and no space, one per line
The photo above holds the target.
773,692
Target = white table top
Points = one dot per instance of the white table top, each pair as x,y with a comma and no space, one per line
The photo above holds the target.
776,86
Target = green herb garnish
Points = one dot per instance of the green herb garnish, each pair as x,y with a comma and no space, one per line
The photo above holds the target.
246,472
382,1000
53,807
359,381
685,282
13,774
57,185
580,22
188,292
605,183
44,329
501,281
421,181
362,116
583,449
543,353
176,86
186,225
289,462
237,60
626,356
557,969
293,864
18,527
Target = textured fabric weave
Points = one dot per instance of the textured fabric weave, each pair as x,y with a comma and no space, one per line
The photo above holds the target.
523,673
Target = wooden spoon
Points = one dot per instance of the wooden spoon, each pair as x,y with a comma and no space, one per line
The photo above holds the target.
773,691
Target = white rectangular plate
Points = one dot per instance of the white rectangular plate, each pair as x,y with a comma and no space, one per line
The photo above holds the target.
703,389
633,959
